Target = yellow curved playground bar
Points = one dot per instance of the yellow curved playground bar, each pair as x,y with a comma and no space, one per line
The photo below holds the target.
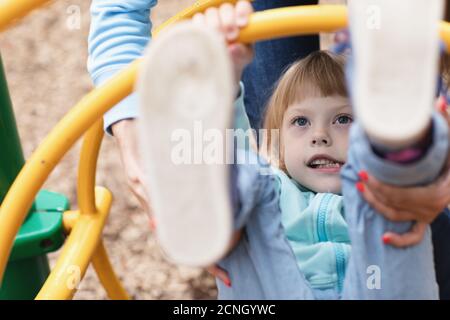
77,251
86,224
85,228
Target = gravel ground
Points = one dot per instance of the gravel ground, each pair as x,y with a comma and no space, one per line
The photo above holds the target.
45,60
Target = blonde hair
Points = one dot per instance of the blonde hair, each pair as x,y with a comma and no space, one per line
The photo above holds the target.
320,74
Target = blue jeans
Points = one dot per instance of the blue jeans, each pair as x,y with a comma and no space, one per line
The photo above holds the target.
271,59
440,230
263,266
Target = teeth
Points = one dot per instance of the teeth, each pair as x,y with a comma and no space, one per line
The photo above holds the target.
324,163
329,165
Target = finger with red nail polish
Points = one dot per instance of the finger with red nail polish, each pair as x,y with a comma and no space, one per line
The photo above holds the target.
220,273
363,175
360,187
227,283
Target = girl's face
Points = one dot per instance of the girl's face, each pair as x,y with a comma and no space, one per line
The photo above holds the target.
314,136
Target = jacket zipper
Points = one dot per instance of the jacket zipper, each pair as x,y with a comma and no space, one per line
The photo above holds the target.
322,217
322,235
340,264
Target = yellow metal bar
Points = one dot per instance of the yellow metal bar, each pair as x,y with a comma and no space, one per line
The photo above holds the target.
100,262
277,23
86,200
106,274
76,254
13,10
87,168
292,21
70,218
187,13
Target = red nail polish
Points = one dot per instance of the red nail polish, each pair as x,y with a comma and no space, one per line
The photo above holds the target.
360,187
442,103
227,283
386,239
363,175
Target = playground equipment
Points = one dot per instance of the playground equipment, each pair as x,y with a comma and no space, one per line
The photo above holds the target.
34,222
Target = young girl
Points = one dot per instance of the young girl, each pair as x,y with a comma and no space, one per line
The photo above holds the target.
311,110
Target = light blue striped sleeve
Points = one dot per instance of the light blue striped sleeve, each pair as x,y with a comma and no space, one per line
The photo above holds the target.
119,32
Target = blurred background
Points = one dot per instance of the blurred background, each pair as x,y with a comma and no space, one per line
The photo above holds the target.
45,60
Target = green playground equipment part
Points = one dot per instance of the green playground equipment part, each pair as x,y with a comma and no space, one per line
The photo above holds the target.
42,231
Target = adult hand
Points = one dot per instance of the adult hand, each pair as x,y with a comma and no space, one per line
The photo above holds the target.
421,204
125,134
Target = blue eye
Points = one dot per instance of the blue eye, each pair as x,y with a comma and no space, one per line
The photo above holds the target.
344,119
300,121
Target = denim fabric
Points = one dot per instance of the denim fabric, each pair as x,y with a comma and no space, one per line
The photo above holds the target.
262,265
404,273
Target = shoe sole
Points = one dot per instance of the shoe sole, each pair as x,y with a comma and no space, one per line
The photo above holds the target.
185,87
396,51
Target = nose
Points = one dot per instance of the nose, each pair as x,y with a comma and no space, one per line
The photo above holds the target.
320,139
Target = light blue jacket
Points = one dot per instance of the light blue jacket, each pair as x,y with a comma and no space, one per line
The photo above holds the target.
120,30
315,226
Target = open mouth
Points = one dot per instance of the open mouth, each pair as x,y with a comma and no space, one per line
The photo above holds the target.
324,162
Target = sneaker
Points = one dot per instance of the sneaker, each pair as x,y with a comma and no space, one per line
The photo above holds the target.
185,88
396,56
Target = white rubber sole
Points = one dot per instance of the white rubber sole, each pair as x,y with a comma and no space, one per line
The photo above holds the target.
396,51
185,88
